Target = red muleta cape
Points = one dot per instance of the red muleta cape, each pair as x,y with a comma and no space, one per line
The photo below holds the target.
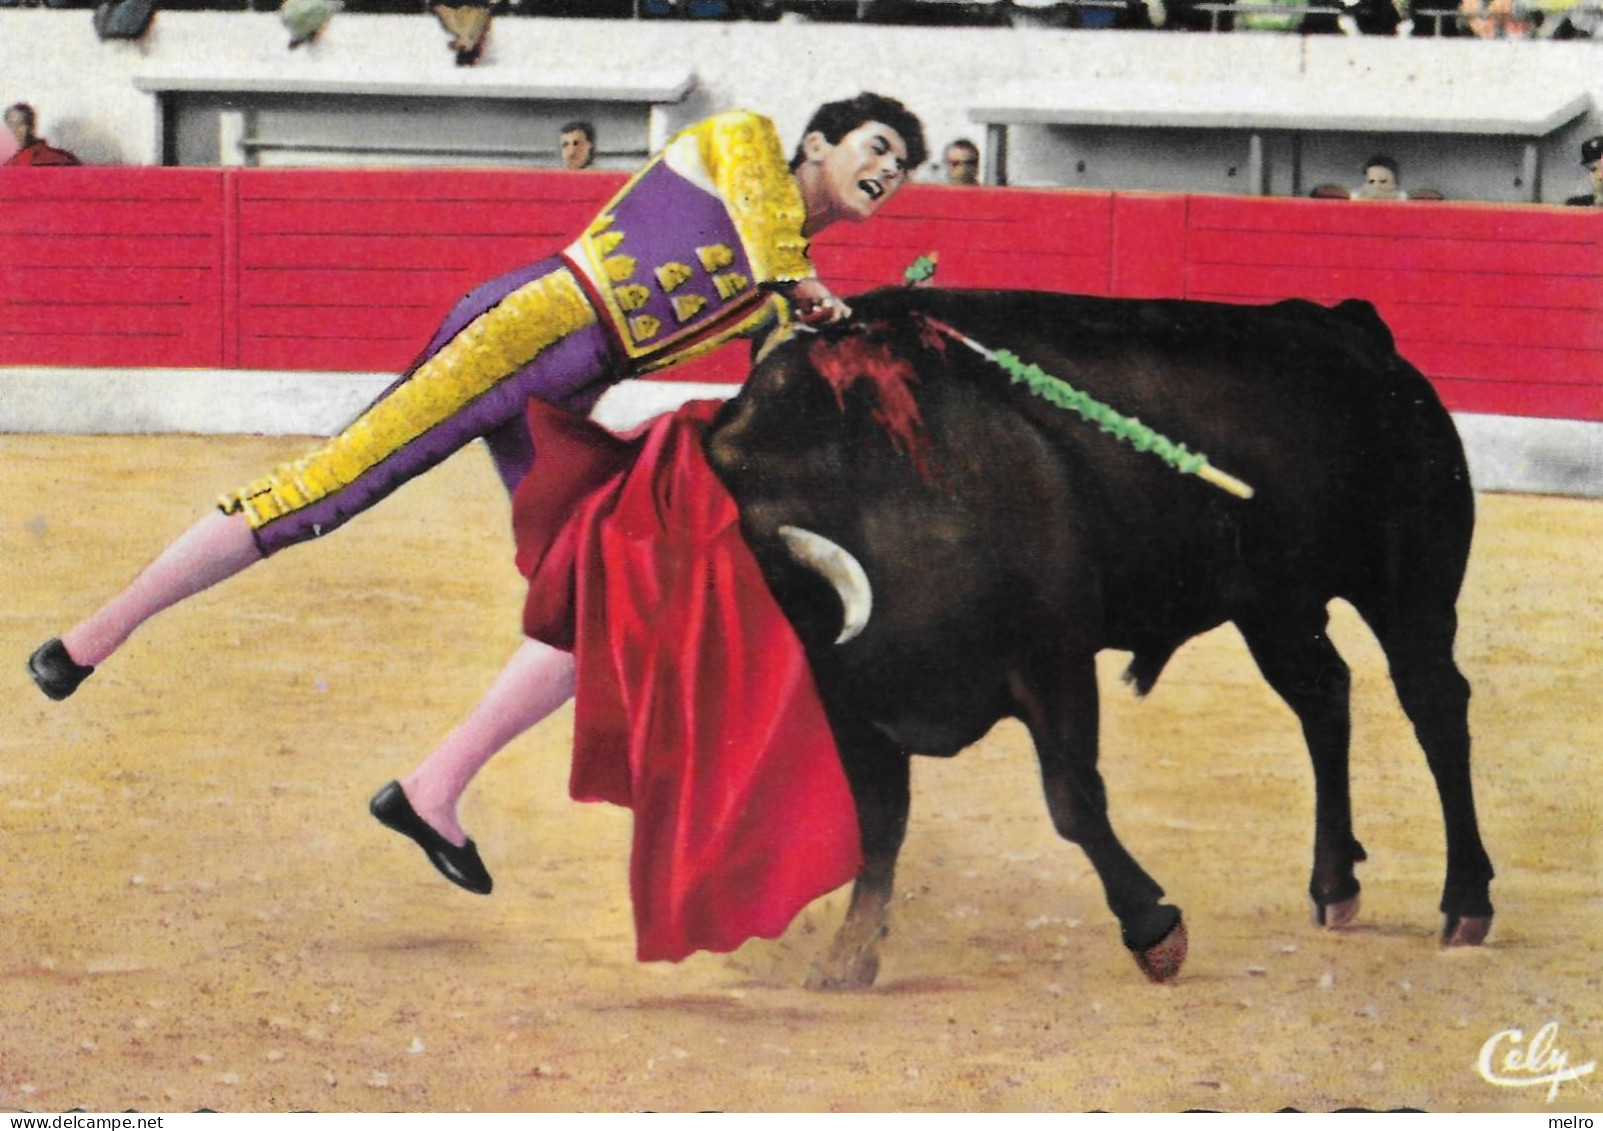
694,704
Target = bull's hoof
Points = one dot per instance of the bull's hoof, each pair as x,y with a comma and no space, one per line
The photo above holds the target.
1335,916
1465,930
1162,961
829,975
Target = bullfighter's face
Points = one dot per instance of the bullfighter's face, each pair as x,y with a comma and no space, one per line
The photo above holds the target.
851,178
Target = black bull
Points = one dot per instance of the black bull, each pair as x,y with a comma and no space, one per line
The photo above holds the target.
1006,541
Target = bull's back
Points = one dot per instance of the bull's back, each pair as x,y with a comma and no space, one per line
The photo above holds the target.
1027,530
1340,439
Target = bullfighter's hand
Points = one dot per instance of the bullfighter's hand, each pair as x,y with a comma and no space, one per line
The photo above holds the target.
815,303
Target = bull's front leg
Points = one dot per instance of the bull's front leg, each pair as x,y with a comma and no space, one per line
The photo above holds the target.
879,773
1060,707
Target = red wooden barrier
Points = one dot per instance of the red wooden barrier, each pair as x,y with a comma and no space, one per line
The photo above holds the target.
352,270
1501,307
111,267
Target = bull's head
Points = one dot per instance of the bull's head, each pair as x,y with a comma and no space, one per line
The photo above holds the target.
822,419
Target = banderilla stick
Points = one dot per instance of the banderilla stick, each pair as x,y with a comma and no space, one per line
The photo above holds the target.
1059,392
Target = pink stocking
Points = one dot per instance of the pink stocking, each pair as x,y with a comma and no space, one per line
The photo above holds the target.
535,681
214,549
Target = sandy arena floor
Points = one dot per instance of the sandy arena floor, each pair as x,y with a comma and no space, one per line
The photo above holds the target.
196,910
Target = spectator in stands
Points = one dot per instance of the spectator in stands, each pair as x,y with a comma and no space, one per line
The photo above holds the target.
642,289
31,148
962,160
1495,19
578,143
1276,15
468,21
1359,17
1568,19
1382,180
1592,158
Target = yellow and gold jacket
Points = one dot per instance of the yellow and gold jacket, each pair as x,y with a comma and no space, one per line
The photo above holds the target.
675,261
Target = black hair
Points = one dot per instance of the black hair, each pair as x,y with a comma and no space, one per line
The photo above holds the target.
964,143
1385,163
837,119
581,127
25,112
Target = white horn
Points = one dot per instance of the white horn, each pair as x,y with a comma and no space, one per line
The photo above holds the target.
840,569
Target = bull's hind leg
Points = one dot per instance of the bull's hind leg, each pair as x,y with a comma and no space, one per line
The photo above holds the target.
1418,641
1063,721
1304,668
879,773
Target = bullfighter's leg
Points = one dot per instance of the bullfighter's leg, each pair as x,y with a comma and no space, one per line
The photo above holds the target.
879,773
215,548
546,342
1303,666
1061,711
535,681
1417,637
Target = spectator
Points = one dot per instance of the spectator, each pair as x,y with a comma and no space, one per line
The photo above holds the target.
1592,158
31,148
468,21
1495,19
962,159
306,19
578,141
1567,19
1360,17
1272,15
1382,180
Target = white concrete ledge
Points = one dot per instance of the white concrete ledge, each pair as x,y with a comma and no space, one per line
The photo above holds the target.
1506,453
1486,108
594,84
249,402
1527,455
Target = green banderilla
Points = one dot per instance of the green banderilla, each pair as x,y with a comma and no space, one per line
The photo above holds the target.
1056,391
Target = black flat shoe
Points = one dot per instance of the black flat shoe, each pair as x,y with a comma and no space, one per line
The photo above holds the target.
57,674
461,866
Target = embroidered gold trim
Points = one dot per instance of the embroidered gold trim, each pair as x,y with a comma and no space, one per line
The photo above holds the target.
644,326
772,309
746,167
742,154
715,257
488,350
730,284
671,276
686,307
632,296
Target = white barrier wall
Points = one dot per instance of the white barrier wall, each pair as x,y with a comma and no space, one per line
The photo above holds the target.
1506,453
86,94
